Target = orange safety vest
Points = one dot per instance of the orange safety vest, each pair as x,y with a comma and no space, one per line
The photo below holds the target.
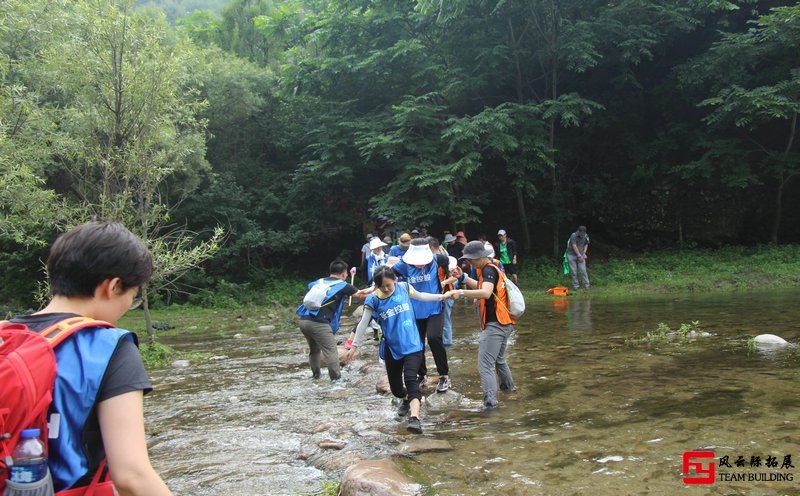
442,276
500,293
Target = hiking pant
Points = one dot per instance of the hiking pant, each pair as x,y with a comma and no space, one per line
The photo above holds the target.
575,268
403,371
432,329
492,361
321,340
447,326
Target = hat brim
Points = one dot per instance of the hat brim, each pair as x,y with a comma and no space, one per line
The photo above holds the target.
418,257
474,256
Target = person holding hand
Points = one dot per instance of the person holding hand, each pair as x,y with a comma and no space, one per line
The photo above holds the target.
496,322
401,344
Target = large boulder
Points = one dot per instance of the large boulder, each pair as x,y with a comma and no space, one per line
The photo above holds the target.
377,478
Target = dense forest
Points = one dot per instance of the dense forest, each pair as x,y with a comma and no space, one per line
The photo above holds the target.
261,136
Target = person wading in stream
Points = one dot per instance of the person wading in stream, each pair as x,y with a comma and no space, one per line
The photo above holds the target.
496,323
401,345
319,326
420,267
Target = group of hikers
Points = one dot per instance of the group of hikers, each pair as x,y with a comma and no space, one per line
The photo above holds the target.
410,295
82,379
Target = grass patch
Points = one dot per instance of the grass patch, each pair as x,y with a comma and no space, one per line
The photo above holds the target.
670,271
664,334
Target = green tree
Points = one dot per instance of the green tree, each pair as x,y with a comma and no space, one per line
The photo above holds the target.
756,103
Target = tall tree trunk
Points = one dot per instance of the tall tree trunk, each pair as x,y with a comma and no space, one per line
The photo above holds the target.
151,336
523,218
554,95
782,180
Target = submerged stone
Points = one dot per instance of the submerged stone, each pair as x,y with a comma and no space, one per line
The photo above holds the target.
424,445
377,478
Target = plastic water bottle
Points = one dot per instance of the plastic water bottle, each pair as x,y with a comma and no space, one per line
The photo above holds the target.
30,458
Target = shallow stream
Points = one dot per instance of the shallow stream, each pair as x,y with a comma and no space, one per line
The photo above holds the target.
594,412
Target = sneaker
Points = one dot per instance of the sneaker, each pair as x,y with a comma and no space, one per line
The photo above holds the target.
444,384
348,344
405,407
414,425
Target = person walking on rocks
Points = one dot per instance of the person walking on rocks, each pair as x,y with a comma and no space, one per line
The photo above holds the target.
420,267
319,326
401,346
496,323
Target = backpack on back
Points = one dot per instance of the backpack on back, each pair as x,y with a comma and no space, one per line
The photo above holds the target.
27,377
516,302
316,296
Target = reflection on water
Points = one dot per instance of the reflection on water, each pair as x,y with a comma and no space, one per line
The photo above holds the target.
592,414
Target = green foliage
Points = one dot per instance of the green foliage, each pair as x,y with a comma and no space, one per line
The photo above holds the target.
299,124
329,488
156,355
664,334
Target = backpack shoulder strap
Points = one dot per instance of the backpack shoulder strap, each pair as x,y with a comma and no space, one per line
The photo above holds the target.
58,332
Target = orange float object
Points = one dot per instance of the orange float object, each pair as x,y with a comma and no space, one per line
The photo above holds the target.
558,291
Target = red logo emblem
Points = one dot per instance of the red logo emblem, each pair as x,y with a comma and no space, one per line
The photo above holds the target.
702,475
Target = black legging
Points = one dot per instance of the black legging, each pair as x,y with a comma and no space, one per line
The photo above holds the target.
404,370
432,328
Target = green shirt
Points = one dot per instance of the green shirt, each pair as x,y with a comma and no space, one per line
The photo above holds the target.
504,258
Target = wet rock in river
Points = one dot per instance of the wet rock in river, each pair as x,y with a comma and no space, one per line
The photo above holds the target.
382,386
377,478
332,444
424,445
443,401
322,428
180,364
239,336
770,340
265,328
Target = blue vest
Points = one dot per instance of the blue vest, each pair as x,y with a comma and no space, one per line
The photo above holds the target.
396,318
302,311
373,263
424,280
396,251
82,361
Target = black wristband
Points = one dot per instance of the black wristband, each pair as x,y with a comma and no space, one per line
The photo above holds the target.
462,278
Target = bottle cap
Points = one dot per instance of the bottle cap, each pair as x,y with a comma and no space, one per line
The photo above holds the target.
30,433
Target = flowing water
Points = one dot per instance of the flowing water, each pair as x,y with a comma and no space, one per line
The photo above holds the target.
595,412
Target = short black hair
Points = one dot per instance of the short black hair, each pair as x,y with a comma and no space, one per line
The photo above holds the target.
83,257
581,228
337,267
419,241
433,242
382,272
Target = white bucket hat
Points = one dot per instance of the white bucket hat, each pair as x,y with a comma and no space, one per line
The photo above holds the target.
376,243
490,249
453,263
418,255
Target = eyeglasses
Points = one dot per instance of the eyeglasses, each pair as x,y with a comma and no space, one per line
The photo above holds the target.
137,300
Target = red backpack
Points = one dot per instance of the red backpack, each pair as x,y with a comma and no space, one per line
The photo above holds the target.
27,378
